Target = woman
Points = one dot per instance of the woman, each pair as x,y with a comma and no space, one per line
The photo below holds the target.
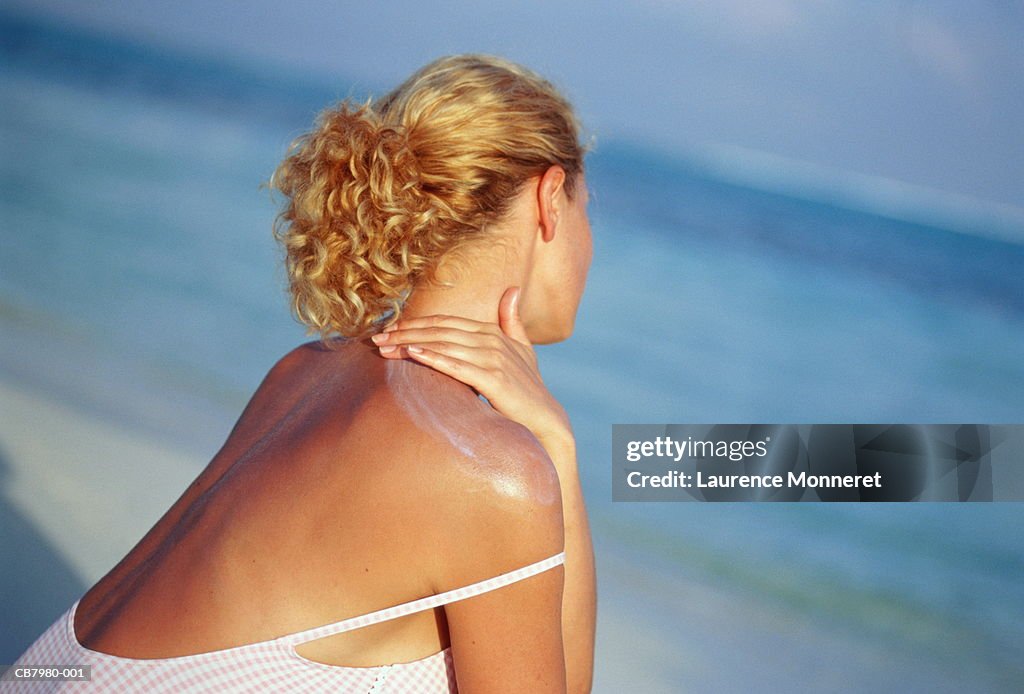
371,524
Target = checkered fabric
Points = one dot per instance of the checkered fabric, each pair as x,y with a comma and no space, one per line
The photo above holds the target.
267,666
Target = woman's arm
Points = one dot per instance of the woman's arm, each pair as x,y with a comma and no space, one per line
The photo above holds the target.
579,598
499,362
508,639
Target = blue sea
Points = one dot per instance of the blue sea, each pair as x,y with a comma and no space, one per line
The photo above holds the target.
133,215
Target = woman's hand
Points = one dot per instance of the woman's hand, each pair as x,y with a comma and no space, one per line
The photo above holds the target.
497,360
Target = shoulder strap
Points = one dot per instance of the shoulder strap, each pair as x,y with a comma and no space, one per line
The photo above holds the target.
426,603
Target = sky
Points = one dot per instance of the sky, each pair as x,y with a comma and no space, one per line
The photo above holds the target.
928,93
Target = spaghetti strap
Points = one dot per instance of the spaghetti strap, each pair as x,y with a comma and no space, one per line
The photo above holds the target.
423,603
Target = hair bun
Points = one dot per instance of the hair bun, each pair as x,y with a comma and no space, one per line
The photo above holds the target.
376,195
352,186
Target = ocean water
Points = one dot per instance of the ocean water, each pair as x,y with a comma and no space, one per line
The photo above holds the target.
131,208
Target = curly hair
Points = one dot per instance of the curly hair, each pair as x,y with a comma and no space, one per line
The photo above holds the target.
377,193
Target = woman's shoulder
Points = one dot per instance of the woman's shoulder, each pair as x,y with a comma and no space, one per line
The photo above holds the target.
478,445
500,503
487,487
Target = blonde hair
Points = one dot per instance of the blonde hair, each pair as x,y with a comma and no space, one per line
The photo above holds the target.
378,193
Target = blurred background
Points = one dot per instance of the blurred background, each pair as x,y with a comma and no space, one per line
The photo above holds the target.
804,212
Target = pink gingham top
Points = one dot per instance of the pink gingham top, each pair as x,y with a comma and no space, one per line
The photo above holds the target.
267,666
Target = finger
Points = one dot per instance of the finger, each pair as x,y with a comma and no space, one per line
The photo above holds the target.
482,357
392,352
398,352
508,315
466,372
436,334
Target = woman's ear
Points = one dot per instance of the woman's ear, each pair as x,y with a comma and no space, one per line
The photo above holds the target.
549,200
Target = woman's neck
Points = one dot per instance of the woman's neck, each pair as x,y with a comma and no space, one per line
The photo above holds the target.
469,286
477,300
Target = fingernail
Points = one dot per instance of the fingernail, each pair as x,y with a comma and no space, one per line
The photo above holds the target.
385,349
393,326
414,349
378,338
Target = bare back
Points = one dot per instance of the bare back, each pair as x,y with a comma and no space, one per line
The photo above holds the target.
318,507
